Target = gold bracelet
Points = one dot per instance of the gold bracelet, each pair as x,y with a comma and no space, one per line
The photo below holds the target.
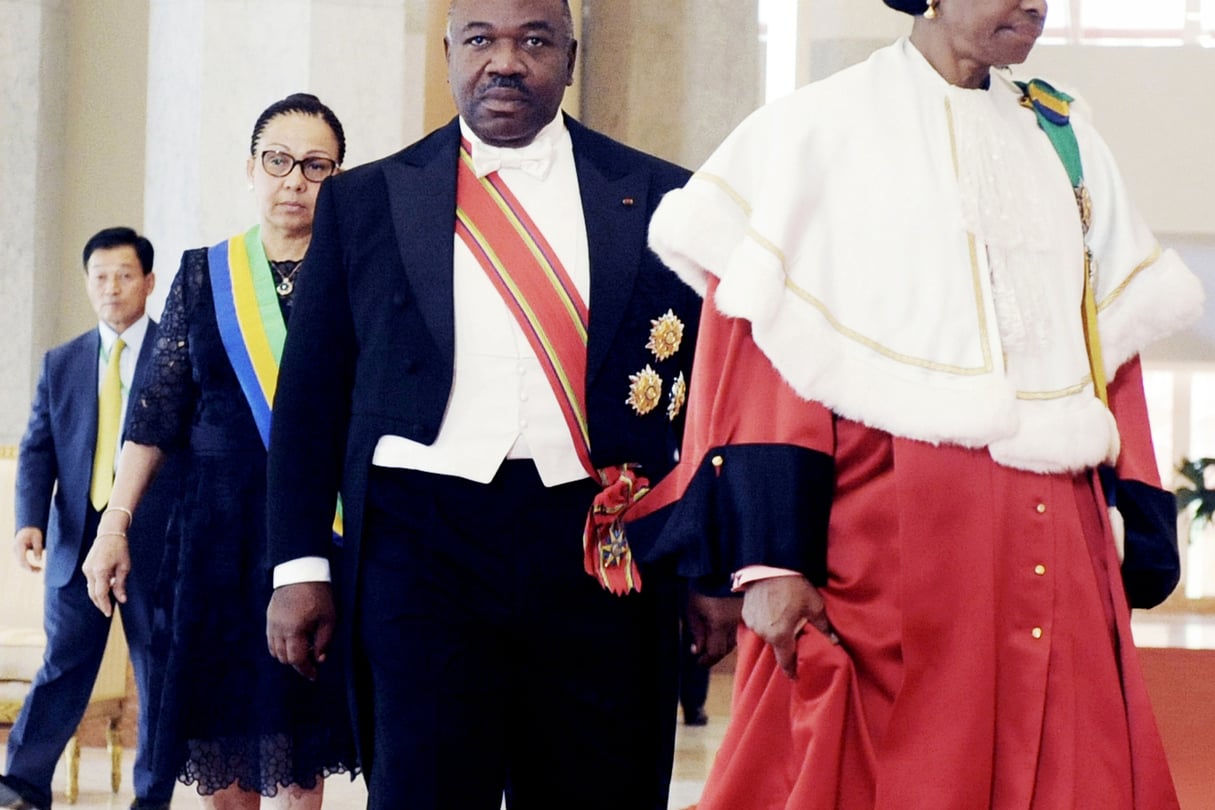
111,534
123,509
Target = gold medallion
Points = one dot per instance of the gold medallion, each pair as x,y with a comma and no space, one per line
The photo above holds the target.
645,390
1084,201
679,394
666,334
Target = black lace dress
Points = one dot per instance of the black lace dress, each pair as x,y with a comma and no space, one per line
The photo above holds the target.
230,712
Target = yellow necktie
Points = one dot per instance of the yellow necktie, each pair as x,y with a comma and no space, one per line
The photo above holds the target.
109,414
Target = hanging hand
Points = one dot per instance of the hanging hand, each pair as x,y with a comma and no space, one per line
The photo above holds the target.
106,568
299,625
713,623
27,548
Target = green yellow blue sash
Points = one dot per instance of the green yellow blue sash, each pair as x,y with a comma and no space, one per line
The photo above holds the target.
539,292
251,324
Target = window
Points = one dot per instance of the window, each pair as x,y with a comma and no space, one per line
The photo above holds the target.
1058,22
1202,415
778,40
1133,19
1158,390
1131,22
1182,417
1181,409
1206,23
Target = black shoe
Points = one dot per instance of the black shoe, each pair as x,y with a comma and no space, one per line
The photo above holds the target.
144,804
10,799
695,717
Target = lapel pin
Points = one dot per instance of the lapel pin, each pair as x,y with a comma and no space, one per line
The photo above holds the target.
627,202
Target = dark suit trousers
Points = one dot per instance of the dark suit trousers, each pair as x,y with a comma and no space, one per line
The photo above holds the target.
76,634
491,663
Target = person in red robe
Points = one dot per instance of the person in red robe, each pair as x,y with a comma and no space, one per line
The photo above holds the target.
894,429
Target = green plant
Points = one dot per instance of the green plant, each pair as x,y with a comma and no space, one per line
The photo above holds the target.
1197,496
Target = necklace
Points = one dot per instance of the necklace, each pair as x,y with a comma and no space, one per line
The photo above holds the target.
286,281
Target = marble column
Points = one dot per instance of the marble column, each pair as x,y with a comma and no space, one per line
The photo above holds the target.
214,65
834,35
33,54
671,78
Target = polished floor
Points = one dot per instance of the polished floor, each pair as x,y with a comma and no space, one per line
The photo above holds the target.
695,746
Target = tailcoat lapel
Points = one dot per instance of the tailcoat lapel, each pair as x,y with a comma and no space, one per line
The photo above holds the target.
422,196
614,207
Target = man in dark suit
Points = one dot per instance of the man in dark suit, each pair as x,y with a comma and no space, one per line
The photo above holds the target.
64,473
430,378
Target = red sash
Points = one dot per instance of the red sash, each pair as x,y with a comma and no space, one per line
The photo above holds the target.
539,292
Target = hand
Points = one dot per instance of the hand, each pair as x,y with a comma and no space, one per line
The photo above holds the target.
299,625
27,548
713,623
778,610
106,568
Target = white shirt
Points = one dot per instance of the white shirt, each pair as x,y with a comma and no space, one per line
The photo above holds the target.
133,338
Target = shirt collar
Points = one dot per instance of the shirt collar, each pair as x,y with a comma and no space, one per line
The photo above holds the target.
536,158
132,336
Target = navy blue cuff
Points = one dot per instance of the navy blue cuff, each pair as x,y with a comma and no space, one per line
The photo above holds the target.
752,504
1151,564
1151,561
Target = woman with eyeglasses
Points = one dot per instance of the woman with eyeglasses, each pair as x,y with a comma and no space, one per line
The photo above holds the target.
237,723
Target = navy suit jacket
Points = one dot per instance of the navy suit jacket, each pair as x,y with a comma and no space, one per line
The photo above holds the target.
55,464
370,350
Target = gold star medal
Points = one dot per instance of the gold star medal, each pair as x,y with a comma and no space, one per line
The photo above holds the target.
645,390
679,395
666,334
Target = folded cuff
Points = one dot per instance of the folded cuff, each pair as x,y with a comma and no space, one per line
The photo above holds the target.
752,504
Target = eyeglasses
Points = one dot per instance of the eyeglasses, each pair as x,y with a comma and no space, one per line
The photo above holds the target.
281,164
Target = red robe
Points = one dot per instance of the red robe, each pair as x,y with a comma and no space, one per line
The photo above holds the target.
985,656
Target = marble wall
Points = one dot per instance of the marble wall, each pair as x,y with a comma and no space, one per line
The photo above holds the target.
33,56
100,147
214,65
672,78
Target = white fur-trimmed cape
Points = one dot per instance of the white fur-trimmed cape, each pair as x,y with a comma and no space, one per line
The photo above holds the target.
832,219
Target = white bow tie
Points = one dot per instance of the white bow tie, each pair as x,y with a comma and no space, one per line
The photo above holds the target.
536,158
